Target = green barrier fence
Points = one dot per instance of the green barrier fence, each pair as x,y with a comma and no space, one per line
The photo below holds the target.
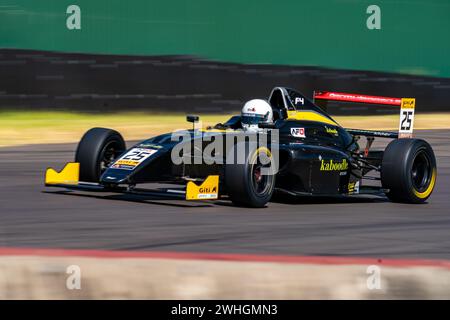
413,37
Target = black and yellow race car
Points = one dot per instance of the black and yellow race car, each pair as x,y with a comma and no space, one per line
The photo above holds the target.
304,152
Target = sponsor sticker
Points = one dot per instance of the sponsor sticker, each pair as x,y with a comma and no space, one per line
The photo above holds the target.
299,101
330,165
150,145
133,158
406,118
298,132
207,193
331,131
209,189
353,187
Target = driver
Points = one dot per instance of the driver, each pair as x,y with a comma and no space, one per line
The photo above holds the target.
254,112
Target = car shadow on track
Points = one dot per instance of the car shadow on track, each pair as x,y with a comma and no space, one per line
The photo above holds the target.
286,199
167,200
310,200
157,199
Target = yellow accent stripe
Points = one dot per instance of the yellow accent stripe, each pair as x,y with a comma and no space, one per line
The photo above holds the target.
430,188
310,116
68,175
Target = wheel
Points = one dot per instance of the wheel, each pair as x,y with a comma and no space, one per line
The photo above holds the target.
96,150
245,181
408,170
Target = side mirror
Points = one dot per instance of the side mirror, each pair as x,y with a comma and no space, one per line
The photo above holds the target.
192,118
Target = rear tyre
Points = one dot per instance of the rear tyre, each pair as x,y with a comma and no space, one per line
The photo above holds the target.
96,151
247,183
408,170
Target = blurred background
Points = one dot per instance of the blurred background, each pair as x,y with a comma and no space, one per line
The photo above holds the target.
212,56
138,67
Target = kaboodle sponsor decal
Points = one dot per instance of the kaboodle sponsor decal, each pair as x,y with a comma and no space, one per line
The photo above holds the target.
331,130
207,193
330,165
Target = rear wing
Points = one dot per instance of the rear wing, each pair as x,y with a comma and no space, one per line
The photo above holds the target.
407,106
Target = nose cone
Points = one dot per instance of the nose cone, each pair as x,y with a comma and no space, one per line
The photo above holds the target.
115,176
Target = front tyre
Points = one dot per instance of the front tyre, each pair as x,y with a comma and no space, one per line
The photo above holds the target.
247,181
408,170
96,151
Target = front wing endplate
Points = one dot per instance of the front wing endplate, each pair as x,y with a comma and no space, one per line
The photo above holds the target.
68,175
209,189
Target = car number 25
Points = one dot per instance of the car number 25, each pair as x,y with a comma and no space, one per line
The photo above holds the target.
138,154
406,120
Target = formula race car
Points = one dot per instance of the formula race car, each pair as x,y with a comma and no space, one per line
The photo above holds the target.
303,152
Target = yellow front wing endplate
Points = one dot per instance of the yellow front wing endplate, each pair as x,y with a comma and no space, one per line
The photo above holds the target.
208,190
68,175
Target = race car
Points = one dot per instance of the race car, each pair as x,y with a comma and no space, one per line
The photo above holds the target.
303,152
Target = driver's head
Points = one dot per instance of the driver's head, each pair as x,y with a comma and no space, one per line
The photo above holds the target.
254,112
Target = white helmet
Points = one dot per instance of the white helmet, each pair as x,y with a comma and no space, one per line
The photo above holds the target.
254,112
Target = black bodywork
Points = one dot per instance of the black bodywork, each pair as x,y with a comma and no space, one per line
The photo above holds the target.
325,160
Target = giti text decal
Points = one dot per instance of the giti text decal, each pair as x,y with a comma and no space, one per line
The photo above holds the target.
207,192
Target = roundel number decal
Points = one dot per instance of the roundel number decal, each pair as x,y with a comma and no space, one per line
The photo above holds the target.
133,158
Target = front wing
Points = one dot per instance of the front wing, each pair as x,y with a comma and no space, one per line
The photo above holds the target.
68,178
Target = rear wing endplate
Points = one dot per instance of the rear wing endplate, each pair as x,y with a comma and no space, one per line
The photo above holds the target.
407,106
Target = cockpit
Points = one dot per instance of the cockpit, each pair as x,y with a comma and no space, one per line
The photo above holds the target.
283,100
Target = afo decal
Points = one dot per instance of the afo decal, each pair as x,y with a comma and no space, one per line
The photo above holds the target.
298,132
133,158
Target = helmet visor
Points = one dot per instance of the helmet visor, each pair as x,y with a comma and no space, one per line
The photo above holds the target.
251,118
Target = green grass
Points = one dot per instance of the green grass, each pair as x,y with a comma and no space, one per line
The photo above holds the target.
31,127
49,119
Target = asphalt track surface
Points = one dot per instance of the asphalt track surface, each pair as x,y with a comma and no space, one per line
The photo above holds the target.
34,216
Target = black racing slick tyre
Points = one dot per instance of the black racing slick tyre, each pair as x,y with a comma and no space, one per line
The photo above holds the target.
246,180
408,170
96,151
